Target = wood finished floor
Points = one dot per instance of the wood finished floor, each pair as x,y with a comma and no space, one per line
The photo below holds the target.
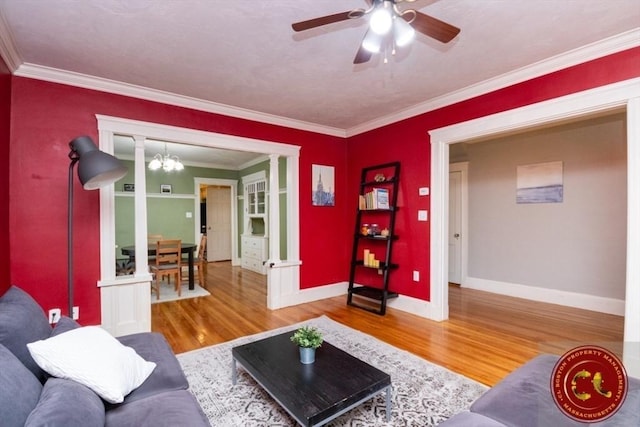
485,338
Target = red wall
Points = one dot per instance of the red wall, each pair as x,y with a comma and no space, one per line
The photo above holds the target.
5,120
408,142
46,116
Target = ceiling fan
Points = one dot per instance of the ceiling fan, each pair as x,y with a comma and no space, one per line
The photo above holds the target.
388,25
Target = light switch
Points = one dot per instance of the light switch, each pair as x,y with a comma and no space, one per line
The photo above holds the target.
422,215
189,214
423,191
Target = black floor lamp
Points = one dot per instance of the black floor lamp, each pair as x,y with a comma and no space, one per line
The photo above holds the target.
95,169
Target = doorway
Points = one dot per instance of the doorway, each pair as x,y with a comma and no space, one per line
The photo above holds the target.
624,96
125,302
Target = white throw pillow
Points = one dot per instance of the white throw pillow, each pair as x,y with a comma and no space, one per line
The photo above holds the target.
91,356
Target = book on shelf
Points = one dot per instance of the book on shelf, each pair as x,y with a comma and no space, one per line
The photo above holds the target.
381,198
377,198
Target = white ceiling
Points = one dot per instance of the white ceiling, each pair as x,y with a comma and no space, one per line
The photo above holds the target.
241,57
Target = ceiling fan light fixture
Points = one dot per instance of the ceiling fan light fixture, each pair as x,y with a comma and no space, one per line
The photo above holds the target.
372,41
403,33
381,19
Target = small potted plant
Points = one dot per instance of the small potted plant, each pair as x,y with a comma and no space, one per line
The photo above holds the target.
308,338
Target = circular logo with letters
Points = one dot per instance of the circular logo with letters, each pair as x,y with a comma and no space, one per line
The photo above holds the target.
589,384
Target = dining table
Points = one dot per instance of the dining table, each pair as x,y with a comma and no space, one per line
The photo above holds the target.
186,248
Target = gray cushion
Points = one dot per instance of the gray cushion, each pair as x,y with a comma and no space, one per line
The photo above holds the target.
470,419
19,390
524,399
67,403
22,321
167,375
170,409
65,324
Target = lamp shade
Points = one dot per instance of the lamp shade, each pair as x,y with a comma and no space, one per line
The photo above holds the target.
95,168
403,33
372,41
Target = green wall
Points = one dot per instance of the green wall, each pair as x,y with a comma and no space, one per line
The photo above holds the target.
166,213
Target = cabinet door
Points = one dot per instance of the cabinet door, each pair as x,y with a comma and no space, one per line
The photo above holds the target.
251,198
260,197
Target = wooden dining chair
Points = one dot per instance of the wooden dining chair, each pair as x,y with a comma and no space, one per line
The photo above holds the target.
152,239
167,263
200,260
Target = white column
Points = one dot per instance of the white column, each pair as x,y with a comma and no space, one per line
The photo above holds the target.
293,212
107,221
274,210
140,208
439,227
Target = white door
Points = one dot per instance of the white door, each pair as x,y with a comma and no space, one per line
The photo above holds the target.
455,227
218,223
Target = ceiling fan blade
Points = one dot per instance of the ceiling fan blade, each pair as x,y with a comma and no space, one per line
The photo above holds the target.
362,56
432,27
318,22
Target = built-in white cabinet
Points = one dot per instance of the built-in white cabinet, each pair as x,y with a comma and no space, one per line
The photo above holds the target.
255,251
255,204
255,237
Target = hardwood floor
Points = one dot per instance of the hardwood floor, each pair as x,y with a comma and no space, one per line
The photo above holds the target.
485,338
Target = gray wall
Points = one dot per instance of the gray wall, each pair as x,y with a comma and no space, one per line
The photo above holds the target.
578,245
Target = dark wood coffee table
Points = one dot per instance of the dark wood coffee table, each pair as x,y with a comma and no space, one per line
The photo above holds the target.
312,394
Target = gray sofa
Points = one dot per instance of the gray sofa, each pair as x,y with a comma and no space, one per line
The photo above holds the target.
523,399
30,397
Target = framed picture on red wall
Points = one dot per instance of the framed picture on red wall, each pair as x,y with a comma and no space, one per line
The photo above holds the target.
322,185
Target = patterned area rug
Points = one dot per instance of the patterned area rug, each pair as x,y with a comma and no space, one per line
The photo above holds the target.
168,293
424,394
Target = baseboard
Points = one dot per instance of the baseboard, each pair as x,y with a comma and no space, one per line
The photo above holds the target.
304,296
552,296
409,304
412,305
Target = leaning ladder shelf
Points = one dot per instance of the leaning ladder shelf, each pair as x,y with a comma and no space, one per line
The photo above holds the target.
377,204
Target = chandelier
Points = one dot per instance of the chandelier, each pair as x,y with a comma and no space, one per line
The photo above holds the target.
166,162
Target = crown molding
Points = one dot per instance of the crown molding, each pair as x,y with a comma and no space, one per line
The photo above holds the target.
618,43
8,50
608,46
119,88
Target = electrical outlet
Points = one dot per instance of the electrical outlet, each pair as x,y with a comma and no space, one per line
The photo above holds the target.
54,315
416,276
76,313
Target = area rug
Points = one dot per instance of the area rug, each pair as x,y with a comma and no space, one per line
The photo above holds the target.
168,293
423,394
